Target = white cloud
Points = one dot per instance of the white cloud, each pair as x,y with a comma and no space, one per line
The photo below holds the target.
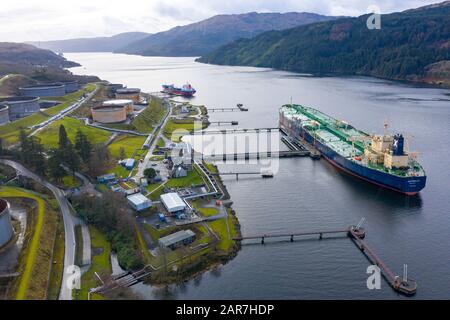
24,20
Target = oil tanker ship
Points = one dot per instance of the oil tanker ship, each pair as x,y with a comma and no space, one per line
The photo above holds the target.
186,90
378,159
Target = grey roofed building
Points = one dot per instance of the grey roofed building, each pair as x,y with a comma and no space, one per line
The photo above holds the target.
179,172
173,202
177,239
139,202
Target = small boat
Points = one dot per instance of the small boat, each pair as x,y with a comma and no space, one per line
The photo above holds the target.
186,90
267,174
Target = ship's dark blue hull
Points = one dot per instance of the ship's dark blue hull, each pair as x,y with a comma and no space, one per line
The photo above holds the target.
406,185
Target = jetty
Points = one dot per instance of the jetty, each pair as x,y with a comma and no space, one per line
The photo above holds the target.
357,234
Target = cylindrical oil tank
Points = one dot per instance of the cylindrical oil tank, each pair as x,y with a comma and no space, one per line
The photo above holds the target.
70,86
4,114
128,104
6,228
20,107
115,86
129,93
44,90
109,114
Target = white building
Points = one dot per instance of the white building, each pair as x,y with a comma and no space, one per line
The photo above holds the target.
139,202
173,202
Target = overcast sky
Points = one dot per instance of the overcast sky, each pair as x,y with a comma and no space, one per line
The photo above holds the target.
40,20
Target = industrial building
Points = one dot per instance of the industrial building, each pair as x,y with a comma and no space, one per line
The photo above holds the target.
173,202
139,202
129,93
106,178
44,90
177,239
182,155
6,228
129,164
20,107
4,114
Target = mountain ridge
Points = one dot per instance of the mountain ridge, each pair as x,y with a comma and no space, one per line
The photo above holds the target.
204,36
94,44
409,45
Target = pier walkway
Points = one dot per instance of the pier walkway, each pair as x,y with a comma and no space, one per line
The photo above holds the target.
357,235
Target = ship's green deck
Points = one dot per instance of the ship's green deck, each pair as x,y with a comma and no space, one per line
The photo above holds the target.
339,136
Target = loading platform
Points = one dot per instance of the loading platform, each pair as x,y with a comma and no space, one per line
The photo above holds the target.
257,155
357,234
239,107
234,131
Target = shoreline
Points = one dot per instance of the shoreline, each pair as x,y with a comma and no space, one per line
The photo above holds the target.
207,261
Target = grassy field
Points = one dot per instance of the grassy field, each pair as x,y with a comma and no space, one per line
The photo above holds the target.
175,131
10,131
101,264
150,117
128,142
220,228
70,181
193,178
120,171
161,143
58,263
208,212
50,135
36,263
68,99
155,194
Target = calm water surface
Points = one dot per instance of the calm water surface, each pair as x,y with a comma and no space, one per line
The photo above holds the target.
310,195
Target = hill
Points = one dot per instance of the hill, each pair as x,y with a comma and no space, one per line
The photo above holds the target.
412,45
202,37
33,64
26,54
99,44
10,84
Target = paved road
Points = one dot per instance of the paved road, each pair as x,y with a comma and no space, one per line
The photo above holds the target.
144,164
64,112
69,252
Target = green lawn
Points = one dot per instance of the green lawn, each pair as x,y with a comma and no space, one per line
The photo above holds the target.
161,143
10,131
128,142
150,117
175,131
120,171
70,181
220,228
211,167
155,194
208,212
101,264
68,99
193,178
50,135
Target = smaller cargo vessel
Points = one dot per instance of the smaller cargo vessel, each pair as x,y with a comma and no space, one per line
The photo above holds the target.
186,90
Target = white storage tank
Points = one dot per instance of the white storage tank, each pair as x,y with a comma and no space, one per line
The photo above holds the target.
6,229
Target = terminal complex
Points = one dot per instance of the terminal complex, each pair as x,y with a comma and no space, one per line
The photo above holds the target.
182,218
